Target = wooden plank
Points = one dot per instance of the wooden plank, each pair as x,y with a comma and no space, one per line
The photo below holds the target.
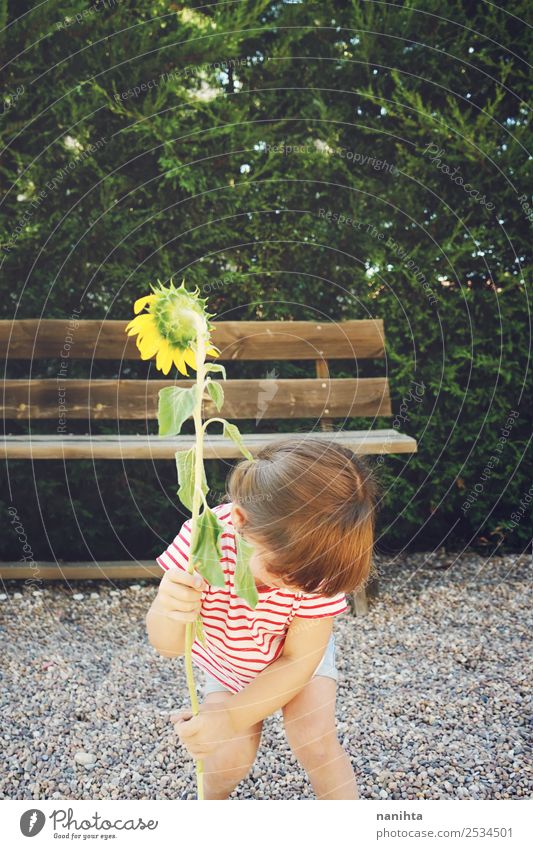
83,571
237,340
322,371
360,602
136,447
137,399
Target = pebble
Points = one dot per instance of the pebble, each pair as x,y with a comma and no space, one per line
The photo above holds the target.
431,700
84,758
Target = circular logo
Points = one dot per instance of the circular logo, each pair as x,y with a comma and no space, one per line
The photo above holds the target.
32,822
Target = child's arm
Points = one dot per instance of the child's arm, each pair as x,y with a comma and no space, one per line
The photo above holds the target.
177,602
276,685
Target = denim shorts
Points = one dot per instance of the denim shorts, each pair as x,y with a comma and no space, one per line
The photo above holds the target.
326,667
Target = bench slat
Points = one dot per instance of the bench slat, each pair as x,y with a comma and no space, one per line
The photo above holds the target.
82,571
244,399
135,447
237,340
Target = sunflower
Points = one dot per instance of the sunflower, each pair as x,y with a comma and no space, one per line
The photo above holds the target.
171,326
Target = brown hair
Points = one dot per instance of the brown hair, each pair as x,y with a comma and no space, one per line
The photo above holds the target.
311,503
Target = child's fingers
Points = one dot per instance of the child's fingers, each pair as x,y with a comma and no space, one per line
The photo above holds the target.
181,715
187,730
184,578
198,754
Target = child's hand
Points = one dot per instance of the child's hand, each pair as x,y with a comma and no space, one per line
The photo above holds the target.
180,594
203,733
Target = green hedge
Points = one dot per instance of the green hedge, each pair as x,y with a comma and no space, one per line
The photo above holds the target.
296,161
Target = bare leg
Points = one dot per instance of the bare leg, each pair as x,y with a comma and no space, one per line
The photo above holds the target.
309,720
232,761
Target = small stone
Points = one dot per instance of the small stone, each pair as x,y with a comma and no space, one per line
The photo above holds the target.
84,758
78,596
3,596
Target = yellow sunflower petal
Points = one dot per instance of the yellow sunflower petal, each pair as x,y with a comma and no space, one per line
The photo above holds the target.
190,358
179,361
148,348
140,323
149,339
213,352
164,357
140,303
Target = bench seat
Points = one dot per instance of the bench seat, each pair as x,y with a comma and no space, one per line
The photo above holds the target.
326,401
137,447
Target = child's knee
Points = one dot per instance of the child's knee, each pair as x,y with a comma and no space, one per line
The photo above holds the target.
314,747
234,760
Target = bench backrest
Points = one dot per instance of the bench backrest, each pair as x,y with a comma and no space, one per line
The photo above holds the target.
319,397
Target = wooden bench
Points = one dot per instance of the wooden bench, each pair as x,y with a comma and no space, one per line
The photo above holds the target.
326,401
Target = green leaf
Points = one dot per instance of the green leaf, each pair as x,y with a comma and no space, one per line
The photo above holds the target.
216,392
200,630
175,406
244,579
185,466
206,550
233,432
216,367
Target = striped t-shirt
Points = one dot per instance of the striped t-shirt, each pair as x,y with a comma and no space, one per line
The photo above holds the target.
240,640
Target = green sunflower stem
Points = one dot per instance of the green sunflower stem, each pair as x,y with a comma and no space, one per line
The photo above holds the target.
196,504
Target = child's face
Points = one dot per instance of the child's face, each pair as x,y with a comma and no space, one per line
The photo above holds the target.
259,568
259,560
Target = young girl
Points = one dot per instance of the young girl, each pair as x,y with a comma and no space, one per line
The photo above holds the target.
307,506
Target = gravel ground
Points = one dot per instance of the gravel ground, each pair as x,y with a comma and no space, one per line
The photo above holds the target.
432,700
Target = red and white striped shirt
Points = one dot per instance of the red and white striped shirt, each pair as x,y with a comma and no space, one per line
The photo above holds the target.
242,641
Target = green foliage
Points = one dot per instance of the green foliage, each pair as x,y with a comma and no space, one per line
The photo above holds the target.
216,393
233,433
175,406
185,461
218,367
141,144
199,632
244,581
206,550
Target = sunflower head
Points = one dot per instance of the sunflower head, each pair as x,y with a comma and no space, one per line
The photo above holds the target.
171,327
